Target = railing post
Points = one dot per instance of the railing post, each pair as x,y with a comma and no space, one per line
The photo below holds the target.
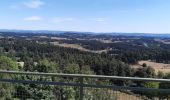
81,88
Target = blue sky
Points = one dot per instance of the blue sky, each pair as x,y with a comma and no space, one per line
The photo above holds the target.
149,16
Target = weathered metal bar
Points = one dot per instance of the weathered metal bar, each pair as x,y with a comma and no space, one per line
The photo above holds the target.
39,82
86,76
81,88
82,85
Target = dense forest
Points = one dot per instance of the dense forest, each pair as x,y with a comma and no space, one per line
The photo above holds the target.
39,55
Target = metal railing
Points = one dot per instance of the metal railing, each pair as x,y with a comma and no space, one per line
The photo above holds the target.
58,86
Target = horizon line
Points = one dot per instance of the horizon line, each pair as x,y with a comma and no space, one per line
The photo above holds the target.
81,31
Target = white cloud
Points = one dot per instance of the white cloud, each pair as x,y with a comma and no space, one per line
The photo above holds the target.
33,18
58,20
29,4
33,3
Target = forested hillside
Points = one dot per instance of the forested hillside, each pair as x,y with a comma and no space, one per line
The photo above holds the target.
37,53
120,51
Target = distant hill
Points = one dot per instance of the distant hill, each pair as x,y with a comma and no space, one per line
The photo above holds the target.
162,35
165,35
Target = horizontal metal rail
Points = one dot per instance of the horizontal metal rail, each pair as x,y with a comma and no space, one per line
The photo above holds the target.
86,76
81,84
86,85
